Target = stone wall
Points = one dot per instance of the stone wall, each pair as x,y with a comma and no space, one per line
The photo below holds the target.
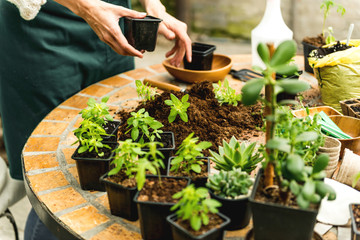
236,18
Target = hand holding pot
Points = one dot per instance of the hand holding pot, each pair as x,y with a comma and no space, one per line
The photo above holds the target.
172,29
103,18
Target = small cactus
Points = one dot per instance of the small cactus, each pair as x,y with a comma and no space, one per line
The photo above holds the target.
231,184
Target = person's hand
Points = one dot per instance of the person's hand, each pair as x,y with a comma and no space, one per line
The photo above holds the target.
172,29
103,18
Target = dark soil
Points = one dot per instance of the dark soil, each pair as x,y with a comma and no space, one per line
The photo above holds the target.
317,41
94,155
214,222
350,102
356,211
110,128
322,52
207,119
155,191
166,140
356,108
121,179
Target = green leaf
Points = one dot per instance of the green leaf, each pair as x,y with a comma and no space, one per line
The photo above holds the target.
280,144
306,136
320,163
325,190
293,86
308,189
283,53
286,70
195,222
82,149
251,90
184,117
295,164
134,133
302,202
294,187
168,102
196,168
263,52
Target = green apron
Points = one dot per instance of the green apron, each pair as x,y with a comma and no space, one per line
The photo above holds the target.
44,62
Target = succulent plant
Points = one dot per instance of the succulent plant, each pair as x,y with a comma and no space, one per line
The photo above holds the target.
230,184
235,155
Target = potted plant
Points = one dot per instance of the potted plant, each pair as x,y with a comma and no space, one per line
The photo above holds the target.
286,194
131,164
144,128
154,202
93,155
311,43
233,155
225,94
190,161
99,113
232,190
197,216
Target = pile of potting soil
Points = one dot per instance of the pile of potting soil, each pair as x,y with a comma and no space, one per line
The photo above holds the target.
209,120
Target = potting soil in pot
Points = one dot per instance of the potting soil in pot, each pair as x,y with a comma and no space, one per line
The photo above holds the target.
356,211
207,119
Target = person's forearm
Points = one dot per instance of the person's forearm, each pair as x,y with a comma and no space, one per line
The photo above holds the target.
153,7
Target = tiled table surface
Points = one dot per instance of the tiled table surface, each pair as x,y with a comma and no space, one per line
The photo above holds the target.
50,173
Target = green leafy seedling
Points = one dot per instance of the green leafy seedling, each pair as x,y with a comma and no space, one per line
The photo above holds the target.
194,206
225,94
326,5
188,155
97,112
178,107
145,91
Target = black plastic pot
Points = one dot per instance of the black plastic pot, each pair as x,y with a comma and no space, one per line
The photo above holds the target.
121,199
91,169
280,222
142,33
307,50
202,56
238,210
355,233
113,135
167,150
250,236
284,95
197,181
179,233
152,217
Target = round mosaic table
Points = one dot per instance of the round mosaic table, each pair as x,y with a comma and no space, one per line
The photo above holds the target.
51,177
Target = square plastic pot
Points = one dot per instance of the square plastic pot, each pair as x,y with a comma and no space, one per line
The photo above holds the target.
280,222
152,217
121,199
308,48
237,210
355,233
179,233
91,169
202,56
197,181
284,95
142,33
114,133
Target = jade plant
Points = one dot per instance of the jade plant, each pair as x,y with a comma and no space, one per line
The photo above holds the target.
225,94
135,163
97,112
188,156
233,155
290,172
142,124
194,206
230,184
89,135
178,107
144,91
326,5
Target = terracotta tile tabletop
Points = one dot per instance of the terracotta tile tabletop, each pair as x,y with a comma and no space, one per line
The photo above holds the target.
51,176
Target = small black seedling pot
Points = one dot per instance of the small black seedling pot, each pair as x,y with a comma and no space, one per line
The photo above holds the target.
355,233
202,56
152,216
197,181
121,199
238,210
284,95
113,135
279,221
141,33
168,139
91,169
179,233
308,48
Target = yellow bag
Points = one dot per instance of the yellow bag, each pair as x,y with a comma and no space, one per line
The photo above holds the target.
338,74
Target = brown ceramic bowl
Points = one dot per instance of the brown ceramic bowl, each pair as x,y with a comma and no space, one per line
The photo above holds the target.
350,126
221,66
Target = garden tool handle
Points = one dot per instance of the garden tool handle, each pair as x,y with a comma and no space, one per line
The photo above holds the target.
162,85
